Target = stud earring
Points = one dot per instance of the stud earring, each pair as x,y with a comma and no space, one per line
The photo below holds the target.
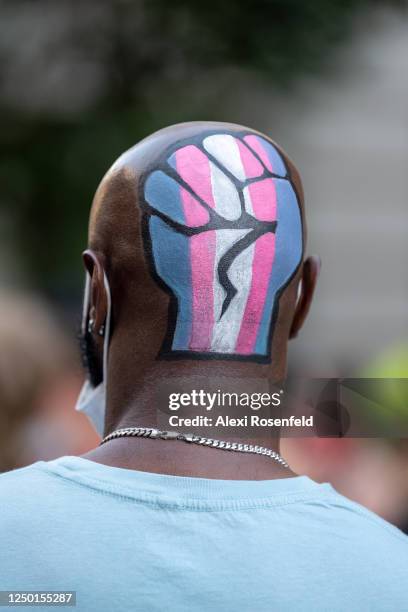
101,330
91,326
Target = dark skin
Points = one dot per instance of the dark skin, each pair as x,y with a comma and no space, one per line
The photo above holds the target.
139,320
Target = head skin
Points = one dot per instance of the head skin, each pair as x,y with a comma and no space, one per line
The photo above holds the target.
140,312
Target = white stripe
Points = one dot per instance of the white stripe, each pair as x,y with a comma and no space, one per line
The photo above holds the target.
248,201
225,149
226,329
226,198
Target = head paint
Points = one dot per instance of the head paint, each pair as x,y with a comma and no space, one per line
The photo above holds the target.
223,232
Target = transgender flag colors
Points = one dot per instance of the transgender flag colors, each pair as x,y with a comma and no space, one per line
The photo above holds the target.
225,235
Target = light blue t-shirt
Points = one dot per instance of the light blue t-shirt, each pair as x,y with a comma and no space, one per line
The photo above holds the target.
128,540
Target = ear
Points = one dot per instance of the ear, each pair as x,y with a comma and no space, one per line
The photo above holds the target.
310,273
98,299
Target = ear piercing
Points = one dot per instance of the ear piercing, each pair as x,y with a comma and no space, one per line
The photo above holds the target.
91,328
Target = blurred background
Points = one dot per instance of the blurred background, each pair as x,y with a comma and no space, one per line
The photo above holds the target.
82,82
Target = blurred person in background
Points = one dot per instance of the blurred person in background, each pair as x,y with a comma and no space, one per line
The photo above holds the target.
371,471
38,381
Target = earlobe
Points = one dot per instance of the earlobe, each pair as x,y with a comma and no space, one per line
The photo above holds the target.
307,285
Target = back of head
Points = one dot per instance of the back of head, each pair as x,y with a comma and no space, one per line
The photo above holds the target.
199,229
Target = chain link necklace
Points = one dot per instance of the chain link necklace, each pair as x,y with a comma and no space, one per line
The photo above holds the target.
156,434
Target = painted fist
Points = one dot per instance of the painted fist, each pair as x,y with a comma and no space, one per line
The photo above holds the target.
225,236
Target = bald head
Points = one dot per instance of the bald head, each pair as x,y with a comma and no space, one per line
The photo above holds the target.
200,231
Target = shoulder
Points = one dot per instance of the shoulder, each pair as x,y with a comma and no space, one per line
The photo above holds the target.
28,491
346,539
363,530
21,480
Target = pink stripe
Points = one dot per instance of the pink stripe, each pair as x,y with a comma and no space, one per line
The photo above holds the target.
193,166
259,150
261,272
251,165
261,193
194,214
263,201
263,198
202,253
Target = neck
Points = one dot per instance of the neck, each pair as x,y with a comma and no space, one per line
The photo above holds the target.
183,459
145,404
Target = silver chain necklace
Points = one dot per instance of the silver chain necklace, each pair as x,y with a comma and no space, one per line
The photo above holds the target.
156,434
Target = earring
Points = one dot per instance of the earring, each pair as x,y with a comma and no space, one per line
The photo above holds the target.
91,326
101,330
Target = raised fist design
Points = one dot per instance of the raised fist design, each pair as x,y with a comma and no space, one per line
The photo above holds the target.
224,234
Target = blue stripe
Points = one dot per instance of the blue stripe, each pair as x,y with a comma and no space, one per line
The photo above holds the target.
171,254
278,165
163,194
288,254
173,160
